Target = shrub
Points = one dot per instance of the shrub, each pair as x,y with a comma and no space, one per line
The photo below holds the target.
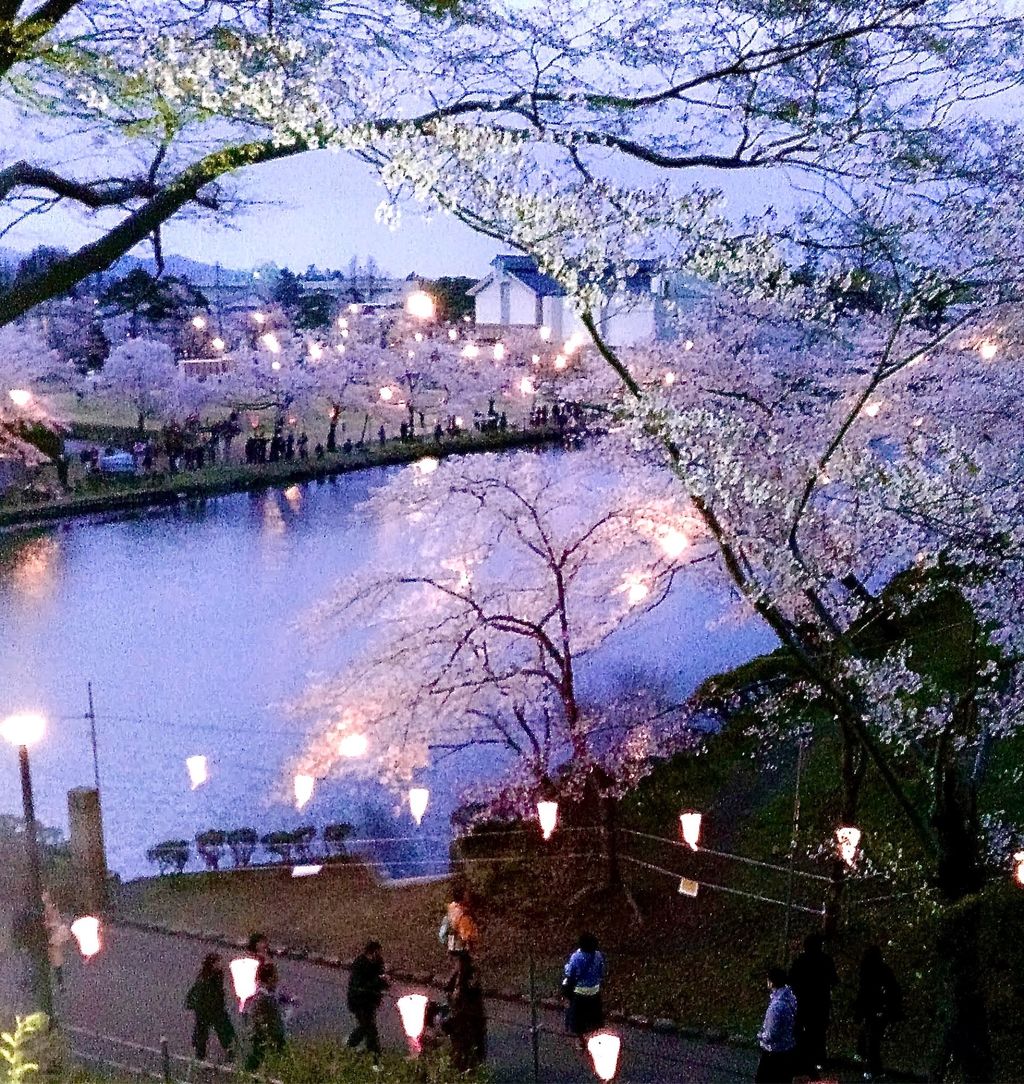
242,843
281,844
302,839
210,845
335,837
171,856
317,1061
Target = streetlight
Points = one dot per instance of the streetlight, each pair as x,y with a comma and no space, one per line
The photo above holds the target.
420,305
23,730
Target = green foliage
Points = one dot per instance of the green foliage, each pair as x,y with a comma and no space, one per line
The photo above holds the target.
143,296
171,856
21,1050
287,290
330,1062
290,846
314,311
335,836
450,293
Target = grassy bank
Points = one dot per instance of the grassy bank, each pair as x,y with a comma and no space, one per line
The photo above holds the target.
115,493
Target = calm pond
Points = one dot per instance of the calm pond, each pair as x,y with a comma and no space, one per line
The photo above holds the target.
185,621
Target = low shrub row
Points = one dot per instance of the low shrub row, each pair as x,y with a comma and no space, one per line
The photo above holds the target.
214,847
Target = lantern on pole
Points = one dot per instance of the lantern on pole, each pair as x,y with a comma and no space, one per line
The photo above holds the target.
304,785
547,814
413,1010
848,843
418,798
1018,867
603,1048
243,977
198,773
690,822
86,931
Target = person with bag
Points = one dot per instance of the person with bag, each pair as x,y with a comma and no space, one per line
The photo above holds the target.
878,1004
366,985
466,1022
266,1024
458,930
206,998
585,973
777,1037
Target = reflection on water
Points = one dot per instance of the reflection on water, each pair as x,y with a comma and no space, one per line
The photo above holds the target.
186,620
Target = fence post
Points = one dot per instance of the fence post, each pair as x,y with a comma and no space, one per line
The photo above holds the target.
534,1030
165,1057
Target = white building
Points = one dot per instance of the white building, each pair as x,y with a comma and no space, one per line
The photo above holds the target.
516,294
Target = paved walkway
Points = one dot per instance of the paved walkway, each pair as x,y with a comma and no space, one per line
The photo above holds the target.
134,990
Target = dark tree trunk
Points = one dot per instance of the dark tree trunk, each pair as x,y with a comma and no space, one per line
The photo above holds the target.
966,1052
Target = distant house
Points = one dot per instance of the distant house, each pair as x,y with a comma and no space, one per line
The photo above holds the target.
201,368
516,294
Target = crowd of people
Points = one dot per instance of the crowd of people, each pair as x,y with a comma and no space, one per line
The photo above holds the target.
459,1021
793,1037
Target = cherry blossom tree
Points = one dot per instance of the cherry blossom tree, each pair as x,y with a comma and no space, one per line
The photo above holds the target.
142,373
28,369
509,573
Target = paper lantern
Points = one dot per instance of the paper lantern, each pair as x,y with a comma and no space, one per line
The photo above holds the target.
304,785
1018,871
848,840
413,1009
418,798
20,397
988,349
603,1048
547,812
499,351
306,871
86,931
386,394
527,386
688,887
420,304
427,465
197,770
353,745
691,828
199,322
243,976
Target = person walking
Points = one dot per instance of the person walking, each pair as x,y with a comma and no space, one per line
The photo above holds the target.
207,1000
266,1024
878,1004
366,985
57,936
585,973
466,1023
459,929
777,1037
812,979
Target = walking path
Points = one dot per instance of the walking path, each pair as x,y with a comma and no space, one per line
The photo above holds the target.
134,990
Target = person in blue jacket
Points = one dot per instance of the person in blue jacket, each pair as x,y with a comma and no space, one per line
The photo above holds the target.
585,974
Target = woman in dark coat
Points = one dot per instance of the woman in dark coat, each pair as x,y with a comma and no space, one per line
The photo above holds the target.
207,1000
466,1023
879,1003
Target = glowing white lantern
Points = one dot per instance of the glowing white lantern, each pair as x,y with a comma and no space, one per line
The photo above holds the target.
690,822
25,728
316,351
527,386
872,409
574,342
304,785
499,351
387,394
1018,872
547,814
421,305
275,365
688,887
199,322
243,976
688,345
988,349
306,871
353,745
453,334
218,343
544,332
86,931
260,318
458,421
198,772
413,1010
418,798
427,465
634,588
20,397
418,336
848,840
669,379
561,361
471,350
603,1048
271,342
673,542
342,322
535,359
354,309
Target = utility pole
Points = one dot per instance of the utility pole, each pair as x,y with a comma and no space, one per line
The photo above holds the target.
91,716
794,841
